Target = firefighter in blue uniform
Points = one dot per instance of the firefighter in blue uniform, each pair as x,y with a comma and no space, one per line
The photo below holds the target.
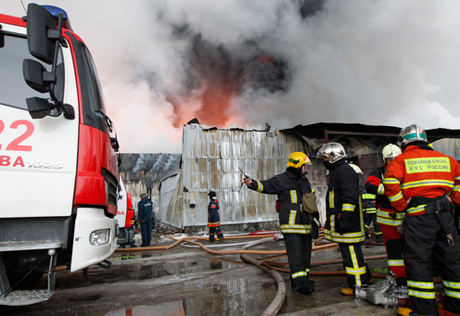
214,218
296,207
344,216
144,212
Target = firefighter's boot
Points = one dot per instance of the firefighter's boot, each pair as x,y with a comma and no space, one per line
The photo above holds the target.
305,288
406,311
347,291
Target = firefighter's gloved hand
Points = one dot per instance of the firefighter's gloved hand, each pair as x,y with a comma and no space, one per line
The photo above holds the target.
344,224
314,228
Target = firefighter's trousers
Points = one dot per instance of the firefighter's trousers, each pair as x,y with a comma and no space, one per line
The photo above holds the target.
423,237
370,218
298,247
394,248
358,273
217,231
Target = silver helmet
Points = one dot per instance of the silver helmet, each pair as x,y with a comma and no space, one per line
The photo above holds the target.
412,133
332,151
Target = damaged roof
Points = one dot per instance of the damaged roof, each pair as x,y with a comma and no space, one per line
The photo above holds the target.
387,133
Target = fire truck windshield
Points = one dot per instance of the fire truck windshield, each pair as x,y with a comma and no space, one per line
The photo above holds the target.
13,89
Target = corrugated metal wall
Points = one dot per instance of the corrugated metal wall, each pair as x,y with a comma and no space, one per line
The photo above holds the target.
211,161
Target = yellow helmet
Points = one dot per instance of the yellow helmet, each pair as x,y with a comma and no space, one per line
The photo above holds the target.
297,160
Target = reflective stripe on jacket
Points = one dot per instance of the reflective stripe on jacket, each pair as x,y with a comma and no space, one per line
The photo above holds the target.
421,172
213,214
289,190
344,198
386,214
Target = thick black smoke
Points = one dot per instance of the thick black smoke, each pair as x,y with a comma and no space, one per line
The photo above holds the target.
284,63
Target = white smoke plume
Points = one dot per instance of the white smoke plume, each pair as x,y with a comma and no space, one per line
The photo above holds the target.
239,63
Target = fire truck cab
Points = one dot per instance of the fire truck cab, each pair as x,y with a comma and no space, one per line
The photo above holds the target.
58,164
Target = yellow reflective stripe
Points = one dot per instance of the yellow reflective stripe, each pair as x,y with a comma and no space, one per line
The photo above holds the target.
298,274
331,199
293,196
424,295
260,187
295,229
368,196
356,270
292,216
395,197
457,178
348,207
420,284
452,293
391,181
426,183
433,164
388,222
454,285
416,210
317,222
456,188
396,263
386,219
385,214
347,238
381,189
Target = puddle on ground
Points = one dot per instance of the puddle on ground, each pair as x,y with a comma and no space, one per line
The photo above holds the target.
167,309
141,270
231,297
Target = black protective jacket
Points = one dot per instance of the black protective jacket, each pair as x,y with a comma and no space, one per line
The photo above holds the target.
344,216
289,186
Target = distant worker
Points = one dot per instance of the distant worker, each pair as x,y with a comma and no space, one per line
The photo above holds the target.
388,218
214,218
144,210
344,216
296,207
423,183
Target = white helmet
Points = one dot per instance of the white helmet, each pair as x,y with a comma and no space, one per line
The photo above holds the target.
332,151
390,151
412,133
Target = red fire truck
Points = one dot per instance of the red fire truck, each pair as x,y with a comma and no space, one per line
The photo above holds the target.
58,163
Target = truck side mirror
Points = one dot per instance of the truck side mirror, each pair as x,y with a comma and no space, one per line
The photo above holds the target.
38,107
41,29
36,76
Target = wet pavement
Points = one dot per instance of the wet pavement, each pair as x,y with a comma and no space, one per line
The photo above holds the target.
187,280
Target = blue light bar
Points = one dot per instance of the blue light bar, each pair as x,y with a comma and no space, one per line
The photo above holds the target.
55,11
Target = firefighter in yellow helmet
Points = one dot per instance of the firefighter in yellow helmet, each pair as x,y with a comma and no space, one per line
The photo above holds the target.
297,212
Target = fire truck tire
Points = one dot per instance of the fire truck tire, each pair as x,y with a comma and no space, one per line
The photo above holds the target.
24,269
